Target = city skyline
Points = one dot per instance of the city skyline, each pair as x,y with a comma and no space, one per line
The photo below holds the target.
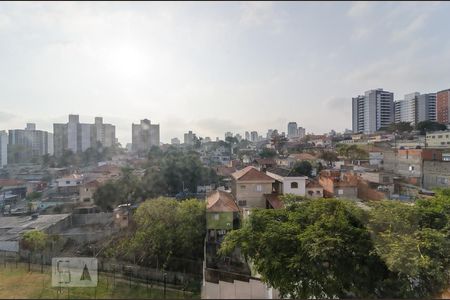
213,68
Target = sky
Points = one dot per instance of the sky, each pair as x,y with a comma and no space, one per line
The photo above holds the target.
214,67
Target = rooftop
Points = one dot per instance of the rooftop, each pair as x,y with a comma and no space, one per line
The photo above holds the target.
12,227
11,182
302,156
274,200
284,172
220,201
251,174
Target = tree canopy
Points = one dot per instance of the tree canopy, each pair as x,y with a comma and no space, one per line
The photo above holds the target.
267,153
168,228
329,157
427,126
332,248
303,167
34,240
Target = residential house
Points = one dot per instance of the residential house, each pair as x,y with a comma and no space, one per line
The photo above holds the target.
313,189
14,187
249,186
222,215
87,191
436,174
296,157
69,184
338,184
438,139
264,163
287,181
407,163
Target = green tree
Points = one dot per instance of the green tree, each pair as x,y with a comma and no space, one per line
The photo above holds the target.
329,157
278,142
34,240
400,127
167,228
414,245
429,126
109,195
267,153
303,167
313,249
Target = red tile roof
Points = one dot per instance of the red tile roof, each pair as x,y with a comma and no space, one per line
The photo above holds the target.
225,170
303,156
265,161
11,182
313,184
250,173
220,201
274,200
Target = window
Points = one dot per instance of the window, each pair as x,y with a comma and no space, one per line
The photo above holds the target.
242,187
67,182
242,203
216,217
318,192
294,185
310,193
259,188
340,192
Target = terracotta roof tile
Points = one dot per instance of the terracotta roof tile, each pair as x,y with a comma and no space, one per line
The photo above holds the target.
303,156
313,184
220,201
274,200
250,173
11,182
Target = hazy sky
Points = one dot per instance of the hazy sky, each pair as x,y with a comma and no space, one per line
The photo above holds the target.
213,67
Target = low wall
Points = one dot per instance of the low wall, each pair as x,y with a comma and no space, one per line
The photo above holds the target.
253,289
90,219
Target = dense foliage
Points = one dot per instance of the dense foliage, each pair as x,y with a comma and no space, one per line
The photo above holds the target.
333,248
166,228
303,167
34,240
352,152
167,174
429,126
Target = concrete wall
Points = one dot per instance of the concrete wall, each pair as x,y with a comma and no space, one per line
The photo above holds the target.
300,191
436,174
253,289
90,219
9,246
248,191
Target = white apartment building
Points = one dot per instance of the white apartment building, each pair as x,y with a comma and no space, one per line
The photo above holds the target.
373,111
3,148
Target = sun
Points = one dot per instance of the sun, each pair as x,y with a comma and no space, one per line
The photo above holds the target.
126,61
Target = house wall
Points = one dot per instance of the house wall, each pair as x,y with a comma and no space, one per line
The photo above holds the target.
300,191
65,182
224,221
248,191
253,289
346,192
367,193
316,192
436,174
87,193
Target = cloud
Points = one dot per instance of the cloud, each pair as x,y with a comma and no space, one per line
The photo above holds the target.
256,13
6,117
213,127
360,9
